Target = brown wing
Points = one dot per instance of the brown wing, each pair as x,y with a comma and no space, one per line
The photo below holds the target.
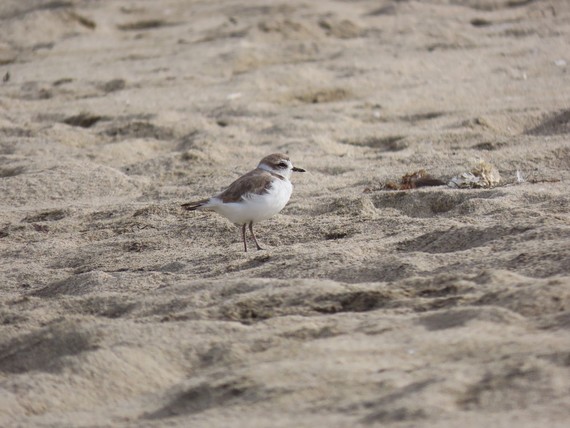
257,181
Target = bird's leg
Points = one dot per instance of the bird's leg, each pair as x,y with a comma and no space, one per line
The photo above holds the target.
243,236
253,234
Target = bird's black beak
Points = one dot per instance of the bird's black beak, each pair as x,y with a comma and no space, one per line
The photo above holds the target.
298,169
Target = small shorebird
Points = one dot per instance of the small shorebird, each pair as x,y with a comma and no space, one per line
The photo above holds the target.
255,196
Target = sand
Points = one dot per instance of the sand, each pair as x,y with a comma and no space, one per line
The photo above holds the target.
429,307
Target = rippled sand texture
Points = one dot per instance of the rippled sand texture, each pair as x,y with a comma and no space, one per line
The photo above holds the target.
433,307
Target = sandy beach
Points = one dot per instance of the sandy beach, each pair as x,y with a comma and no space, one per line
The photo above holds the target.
372,304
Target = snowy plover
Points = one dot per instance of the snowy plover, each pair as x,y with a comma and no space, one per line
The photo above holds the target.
255,196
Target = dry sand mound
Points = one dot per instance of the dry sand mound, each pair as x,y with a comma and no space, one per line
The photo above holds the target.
431,307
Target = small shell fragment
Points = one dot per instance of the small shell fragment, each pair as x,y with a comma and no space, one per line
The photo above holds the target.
483,175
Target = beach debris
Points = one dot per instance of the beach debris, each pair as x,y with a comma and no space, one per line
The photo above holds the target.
483,175
413,180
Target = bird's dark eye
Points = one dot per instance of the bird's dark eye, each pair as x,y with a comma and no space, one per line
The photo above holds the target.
282,165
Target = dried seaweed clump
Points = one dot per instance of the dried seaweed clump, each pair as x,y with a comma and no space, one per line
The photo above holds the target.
413,180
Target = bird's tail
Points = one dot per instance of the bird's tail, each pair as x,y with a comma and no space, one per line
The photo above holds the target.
191,206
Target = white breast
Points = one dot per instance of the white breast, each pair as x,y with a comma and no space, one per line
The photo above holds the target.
255,208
